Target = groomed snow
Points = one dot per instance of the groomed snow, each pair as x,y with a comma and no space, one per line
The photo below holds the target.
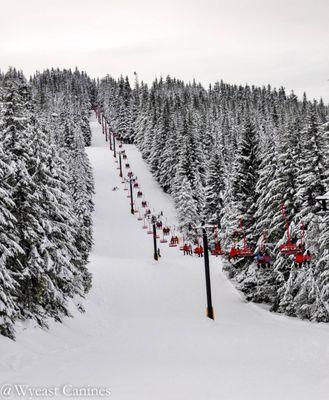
145,335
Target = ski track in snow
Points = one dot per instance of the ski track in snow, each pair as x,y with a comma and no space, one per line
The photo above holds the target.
145,334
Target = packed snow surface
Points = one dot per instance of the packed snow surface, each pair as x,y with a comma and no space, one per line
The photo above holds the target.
144,334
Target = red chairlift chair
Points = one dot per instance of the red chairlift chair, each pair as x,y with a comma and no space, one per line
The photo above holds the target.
181,248
140,218
186,248
173,241
163,240
302,257
244,251
236,252
144,224
198,250
217,249
262,257
150,230
287,248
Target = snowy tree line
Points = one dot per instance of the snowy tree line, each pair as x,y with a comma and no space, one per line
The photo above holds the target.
46,189
233,154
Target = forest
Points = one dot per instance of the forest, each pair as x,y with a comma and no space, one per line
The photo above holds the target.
250,160
46,190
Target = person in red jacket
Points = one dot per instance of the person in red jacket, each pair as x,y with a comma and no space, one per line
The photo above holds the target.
186,249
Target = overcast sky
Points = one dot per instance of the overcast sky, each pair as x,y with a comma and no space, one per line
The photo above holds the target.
281,42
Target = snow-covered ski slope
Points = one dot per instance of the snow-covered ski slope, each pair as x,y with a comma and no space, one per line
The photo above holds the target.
145,335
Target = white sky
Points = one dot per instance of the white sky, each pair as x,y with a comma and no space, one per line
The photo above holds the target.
281,42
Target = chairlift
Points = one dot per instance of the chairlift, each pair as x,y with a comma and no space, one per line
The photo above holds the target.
287,248
244,251
173,241
217,249
302,256
262,257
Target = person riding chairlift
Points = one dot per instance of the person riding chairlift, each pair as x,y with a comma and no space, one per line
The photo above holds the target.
186,249
174,240
199,251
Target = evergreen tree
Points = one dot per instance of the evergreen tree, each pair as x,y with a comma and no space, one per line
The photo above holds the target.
186,207
245,176
9,249
215,188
